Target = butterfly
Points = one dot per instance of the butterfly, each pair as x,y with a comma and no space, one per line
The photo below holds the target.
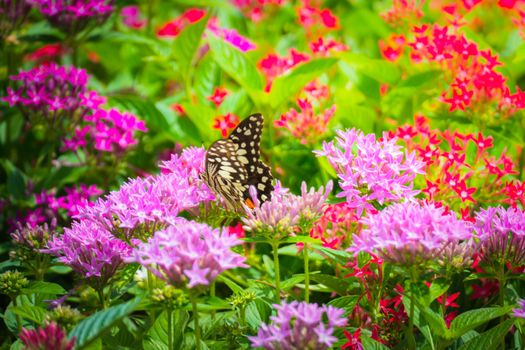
232,165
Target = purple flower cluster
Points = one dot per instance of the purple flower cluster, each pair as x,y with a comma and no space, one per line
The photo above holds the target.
76,197
90,250
231,36
73,16
12,14
49,337
501,234
59,96
111,131
371,170
285,211
188,254
520,310
299,325
144,204
410,233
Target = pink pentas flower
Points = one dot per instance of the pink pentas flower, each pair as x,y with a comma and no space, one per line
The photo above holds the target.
324,47
90,250
305,125
410,233
48,337
520,310
316,91
371,170
231,36
188,254
299,325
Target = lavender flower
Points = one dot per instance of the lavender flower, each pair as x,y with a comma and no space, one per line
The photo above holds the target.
12,15
142,205
501,233
285,211
410,233
520,310
49,337
371,170
188,254
299,325
90,250
73,16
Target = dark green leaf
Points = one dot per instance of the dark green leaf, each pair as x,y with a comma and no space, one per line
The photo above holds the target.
16,184
292,281
30,312
346,302
338,285
44,288
92,327
490,339
257,312
157,336
473,318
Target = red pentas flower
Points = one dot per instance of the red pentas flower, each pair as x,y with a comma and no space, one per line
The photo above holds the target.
306,125
315,19
46,53
403,11
335,226
173,27
225,123
322,47
392,48
218,96
274,65
257,10
454,174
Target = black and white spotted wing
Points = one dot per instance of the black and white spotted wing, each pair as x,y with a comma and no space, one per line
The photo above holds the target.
233,165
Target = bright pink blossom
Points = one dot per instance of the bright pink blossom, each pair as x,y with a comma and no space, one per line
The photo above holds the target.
48,337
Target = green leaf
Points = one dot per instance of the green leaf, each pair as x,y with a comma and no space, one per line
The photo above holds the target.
92,327
143,108
187,43
289,84
372,344
380,70
434,319
437,288
490,339
474,318
339,256
157,336
237,65
15,183
257,312
230,283
30,312
44,288
202,117
338,285
346,302
206,78
292,281
421,79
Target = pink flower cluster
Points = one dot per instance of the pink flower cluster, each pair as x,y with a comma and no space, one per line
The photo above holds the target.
470,71
410,233
74,15
299,325
49,337
520,310
90,250
108,131
188,254
143,204
285,211
501,234
371,170
305,125
76,197
131,17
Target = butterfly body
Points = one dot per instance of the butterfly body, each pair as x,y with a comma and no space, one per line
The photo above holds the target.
233,165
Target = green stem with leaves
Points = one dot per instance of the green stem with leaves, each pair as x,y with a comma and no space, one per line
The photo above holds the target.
275,249
100,292
196,321
170,329
411,340
501,295
17,316
306,273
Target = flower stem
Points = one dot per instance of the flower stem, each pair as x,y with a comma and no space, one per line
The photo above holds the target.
196,321
170,329
101,298
275,248
501,296
17,316
306,274
410,330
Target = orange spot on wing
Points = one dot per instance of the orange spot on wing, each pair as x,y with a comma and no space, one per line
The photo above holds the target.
249,203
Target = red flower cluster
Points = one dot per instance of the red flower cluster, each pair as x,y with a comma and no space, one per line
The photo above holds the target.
453,175
473,81
403,11
256,10
175,26
274,65
335,226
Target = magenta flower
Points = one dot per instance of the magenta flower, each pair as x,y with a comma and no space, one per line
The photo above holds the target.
520,310
299,325
285,211
231,36
90,250
73,16
188,254
410,233
501,234
131,17
49,337
371,170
